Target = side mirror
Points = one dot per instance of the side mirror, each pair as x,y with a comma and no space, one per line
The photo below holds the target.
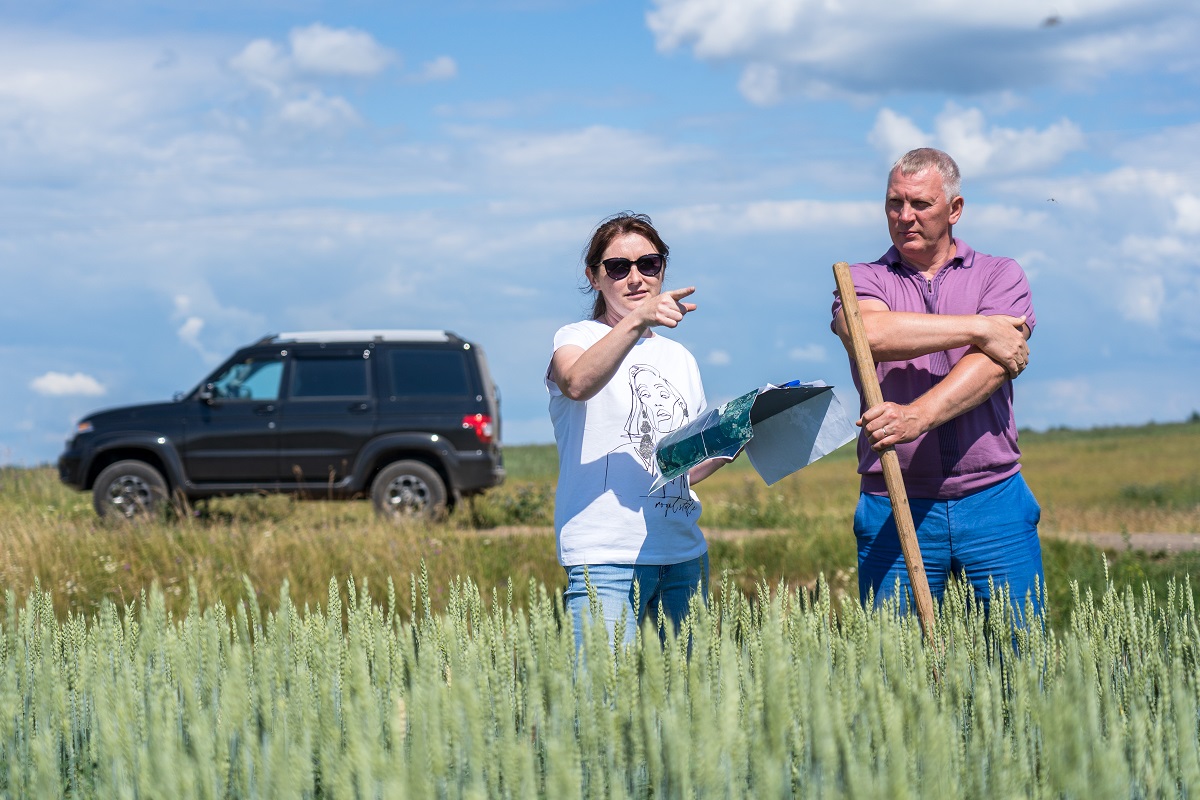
208,394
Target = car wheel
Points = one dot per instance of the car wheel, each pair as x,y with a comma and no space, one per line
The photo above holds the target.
129,490
408,490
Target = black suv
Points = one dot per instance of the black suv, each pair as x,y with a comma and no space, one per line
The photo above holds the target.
410,418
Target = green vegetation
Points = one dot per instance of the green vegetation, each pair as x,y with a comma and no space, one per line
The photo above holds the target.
777,695
147,660
1139,479
1121,480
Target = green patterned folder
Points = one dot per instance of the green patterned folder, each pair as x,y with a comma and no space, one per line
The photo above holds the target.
799,433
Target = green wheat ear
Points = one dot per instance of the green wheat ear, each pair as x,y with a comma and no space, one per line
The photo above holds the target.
781,692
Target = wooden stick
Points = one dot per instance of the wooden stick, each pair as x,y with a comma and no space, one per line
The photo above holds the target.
891,463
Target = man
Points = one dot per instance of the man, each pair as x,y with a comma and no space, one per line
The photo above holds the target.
947,328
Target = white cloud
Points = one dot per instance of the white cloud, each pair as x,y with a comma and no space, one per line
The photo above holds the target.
1003,150
808,352
776,215
321,50
229,328
720,29
1187,213
442,68
189,331
318,110
59,384
1142,299
313,52
894,134
1153,250
1155,281
994,217
1149,278
1171,149
720,358
1134,190
162,172
192,326
760,84
601,145
820,47
56,87
979,149
533,172
1033,262
1082,401
263,62
68,98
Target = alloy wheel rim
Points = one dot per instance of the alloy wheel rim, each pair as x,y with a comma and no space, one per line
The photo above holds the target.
407,494
130,495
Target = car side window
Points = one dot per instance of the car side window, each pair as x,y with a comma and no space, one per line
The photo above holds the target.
329,377
429,372
251,379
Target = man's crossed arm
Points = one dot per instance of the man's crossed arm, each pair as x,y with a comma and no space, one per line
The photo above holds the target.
999,351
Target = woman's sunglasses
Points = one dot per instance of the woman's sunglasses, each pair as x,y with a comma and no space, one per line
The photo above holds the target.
649,265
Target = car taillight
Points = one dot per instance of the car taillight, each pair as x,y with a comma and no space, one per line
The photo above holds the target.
482,424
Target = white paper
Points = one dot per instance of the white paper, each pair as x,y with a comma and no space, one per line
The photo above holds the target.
799,436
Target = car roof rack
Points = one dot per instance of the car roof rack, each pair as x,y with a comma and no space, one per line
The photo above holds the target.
371,335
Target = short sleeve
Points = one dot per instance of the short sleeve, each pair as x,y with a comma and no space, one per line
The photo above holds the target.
580,334
1007,292
868,285
576,334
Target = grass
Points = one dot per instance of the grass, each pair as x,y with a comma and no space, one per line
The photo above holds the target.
1110,480
1143,479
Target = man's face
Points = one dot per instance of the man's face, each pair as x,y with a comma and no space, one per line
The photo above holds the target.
919,218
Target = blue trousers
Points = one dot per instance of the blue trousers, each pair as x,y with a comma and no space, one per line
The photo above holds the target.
672,584
989,534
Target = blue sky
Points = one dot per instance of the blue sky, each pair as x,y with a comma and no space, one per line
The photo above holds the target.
178,179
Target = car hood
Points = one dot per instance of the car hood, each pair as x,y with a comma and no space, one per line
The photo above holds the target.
133,416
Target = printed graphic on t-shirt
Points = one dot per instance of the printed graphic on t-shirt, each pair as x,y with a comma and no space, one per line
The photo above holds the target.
656,409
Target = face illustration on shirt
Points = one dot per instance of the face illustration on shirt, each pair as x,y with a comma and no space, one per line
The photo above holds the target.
660,403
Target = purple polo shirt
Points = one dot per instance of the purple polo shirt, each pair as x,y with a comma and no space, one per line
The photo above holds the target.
979,448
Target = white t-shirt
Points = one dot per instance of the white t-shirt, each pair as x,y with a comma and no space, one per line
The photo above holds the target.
604,511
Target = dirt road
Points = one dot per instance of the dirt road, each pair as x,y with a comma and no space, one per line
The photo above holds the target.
1149,542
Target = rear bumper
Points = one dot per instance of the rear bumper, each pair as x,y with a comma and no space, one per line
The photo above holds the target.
478,472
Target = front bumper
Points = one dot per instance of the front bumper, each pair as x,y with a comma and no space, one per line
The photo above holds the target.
70,465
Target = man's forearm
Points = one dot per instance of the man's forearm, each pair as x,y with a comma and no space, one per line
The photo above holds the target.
904,335
972,380
901,335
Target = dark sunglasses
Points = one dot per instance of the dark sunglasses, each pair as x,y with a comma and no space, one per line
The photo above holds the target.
649,265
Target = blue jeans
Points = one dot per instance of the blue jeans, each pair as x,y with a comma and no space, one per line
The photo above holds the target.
671,584
989,534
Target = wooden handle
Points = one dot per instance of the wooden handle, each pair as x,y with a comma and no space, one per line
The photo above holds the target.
891,463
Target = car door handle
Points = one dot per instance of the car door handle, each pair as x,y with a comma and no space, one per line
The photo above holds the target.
359,408
269,408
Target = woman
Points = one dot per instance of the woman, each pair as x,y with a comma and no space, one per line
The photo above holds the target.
616,387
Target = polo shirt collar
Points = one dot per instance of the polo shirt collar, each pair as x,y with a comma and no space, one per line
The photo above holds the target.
964,257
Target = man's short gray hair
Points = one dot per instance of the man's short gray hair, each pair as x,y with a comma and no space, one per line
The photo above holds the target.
924,158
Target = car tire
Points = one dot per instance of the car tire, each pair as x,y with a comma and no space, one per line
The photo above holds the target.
408,490
129,490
